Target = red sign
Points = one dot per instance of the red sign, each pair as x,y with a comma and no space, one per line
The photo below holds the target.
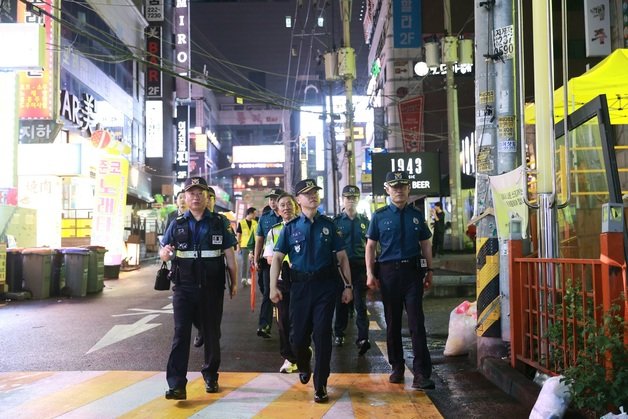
411,120
153,70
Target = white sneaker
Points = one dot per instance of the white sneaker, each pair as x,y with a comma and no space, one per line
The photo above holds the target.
288,367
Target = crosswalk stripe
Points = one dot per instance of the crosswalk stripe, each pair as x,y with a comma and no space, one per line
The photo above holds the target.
140,394
60,400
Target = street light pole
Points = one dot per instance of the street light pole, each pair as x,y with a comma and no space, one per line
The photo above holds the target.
454,136
348,74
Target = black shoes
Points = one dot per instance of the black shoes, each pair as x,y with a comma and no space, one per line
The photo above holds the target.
397,375
304,377
339,341
198,341
176,394
320,395
363,346
422,383
264,332
211,385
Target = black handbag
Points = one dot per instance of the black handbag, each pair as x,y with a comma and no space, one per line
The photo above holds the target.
162,280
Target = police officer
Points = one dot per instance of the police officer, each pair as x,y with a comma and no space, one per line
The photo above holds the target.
199,244
405,269
310,241
352,227
266,221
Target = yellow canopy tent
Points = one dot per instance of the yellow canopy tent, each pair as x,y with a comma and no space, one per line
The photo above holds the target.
609,76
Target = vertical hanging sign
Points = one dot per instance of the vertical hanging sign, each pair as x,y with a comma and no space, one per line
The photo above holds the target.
154,84
597,28
36,88
183,151
411,121
182,47
407,23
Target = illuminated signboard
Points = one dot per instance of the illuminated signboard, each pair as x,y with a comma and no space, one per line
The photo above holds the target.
182,161
182,46
79,111
154,10
154,129
154,81
36,88
423,171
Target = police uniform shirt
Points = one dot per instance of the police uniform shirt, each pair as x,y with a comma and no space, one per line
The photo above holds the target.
203,234
310,245
399,232
266,222
353,233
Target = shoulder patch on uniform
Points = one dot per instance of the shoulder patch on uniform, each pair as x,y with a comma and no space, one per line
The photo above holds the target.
382,209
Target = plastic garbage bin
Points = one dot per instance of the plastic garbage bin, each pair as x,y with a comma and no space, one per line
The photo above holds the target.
76,268
14,269
36,269
57,276
96,268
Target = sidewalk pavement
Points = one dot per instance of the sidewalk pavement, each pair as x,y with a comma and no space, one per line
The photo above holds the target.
455,276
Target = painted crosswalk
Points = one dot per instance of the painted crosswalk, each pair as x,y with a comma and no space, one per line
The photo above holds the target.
139,394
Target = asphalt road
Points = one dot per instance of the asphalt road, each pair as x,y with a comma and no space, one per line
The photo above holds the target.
129,327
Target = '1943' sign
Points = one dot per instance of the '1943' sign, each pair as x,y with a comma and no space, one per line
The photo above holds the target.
423,171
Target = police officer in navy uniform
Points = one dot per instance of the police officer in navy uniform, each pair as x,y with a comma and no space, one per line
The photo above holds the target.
199,245
352,227
404,271
266,221
310,241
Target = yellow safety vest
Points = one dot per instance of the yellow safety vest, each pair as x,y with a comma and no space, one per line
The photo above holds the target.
246,231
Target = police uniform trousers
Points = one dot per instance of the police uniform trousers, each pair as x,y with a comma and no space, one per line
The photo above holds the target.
358,279
402,286
283,315
266,308
312,300
206,301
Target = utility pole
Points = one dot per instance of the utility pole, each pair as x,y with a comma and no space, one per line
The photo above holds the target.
450,54
346,70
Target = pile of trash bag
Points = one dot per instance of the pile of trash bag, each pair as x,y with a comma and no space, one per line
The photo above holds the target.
462,323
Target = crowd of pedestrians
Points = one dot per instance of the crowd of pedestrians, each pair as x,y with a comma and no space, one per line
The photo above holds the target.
313,269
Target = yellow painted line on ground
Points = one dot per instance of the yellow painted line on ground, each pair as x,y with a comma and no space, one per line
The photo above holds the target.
371,396
373,325
197,398
12,380
75,396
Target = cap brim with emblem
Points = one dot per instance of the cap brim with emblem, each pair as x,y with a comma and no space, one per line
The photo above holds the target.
273,193
350,190
397,178
195,182
306,185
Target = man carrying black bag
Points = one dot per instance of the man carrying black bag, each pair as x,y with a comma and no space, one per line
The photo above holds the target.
200,243
267,220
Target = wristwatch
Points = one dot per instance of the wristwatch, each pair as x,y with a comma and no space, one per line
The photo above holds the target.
348,286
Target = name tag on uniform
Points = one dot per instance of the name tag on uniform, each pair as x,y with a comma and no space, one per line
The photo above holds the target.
216,239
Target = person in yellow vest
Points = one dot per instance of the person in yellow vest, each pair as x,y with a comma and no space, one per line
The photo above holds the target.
245,229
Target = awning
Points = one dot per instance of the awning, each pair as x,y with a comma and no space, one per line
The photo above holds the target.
607,77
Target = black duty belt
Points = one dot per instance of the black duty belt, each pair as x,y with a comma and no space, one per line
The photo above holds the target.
401,262
321,274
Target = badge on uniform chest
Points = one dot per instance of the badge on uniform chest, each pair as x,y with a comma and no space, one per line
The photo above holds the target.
216,239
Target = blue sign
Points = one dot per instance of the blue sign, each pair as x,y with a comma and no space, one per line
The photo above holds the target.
407,23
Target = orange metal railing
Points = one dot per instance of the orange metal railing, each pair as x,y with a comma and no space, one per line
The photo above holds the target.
550,298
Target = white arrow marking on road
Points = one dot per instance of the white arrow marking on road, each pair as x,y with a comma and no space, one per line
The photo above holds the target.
120,332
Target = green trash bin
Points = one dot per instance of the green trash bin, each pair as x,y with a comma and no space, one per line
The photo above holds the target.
96,269
36,269
76,269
